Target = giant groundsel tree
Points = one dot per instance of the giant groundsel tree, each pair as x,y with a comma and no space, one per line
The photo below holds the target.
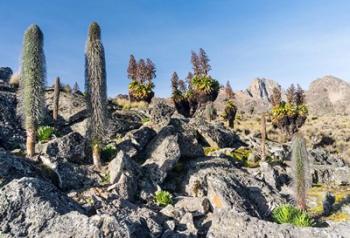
96,90
32,84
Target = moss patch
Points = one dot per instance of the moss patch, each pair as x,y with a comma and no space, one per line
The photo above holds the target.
317,193
208,150
242,155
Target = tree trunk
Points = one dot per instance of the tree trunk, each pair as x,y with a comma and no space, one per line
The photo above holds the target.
230,123
31,136
263,137
96,155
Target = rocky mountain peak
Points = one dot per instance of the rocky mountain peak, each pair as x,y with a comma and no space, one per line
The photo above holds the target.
261,88
329,94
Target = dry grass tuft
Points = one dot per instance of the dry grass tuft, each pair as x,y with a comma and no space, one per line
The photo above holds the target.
127,105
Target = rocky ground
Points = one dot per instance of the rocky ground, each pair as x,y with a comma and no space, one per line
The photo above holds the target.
216,192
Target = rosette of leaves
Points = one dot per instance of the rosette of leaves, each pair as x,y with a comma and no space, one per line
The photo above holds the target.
139,91
205,87
289,117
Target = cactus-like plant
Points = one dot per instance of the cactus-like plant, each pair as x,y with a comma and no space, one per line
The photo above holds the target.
56,98
301,172
263,137
210,111
96,90
32,84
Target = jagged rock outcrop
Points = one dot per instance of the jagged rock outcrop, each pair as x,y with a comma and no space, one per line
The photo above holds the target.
5,73
255,99
31,207
162,154
71,147
229,224
328,95
227,186
12,135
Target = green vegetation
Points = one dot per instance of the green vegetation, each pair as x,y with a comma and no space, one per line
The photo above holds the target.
141,75
208,150
105,179
291,115
141,91
205,84
287,213
45,133
33,72
199,89
242,155
317,193
96,90
229,113
108,152
163,198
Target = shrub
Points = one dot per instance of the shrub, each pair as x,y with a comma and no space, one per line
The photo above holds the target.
108,152
291,115
45,133
163,198
125,104
242,155
205,88
287,213
141,75
230,112
141,91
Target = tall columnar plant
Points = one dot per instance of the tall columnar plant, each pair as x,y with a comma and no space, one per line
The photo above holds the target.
56,98
96,90
33,73
263,137
301,172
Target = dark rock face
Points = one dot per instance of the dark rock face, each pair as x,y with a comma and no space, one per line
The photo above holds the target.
216,135
188,142
162,154
13,167
11,134
70,147
161,113
5,73
68,176
31,207
229,224
228,186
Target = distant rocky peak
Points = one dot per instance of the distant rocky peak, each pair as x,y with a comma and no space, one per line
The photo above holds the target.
261,88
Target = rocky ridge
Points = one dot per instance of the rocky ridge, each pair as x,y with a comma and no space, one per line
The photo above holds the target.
59,193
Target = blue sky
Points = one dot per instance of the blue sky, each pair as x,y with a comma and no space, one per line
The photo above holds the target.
288,41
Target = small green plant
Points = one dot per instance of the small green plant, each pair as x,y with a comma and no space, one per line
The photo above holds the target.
45,133
141,91
108,152
287,213
242,155
105,179
144,120
163,198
